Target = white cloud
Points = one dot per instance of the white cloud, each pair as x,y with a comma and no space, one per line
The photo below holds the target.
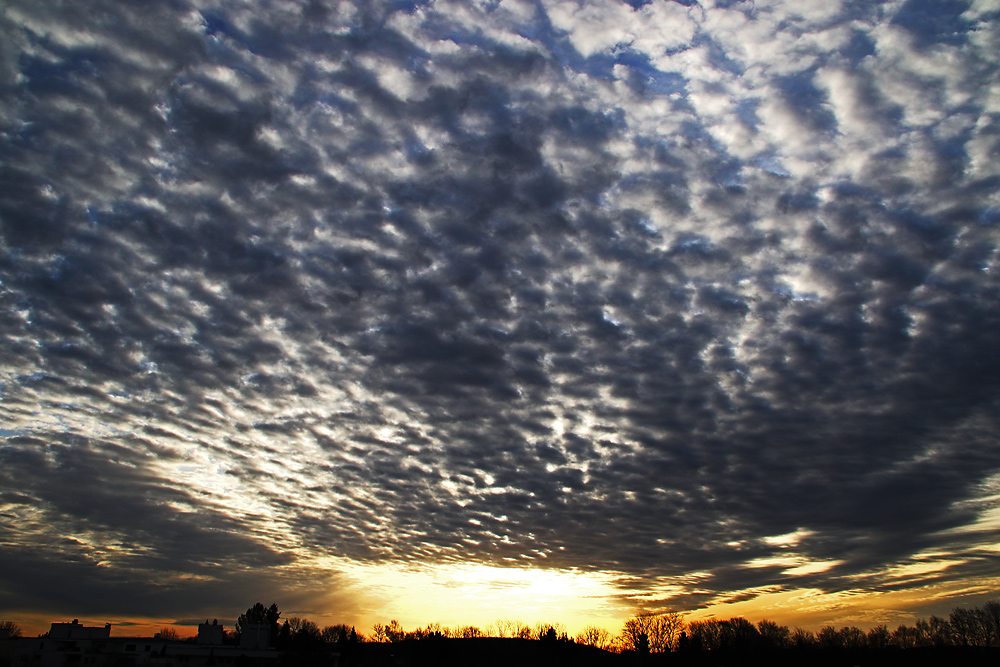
814,11
663,25
856,112
593,26
596,27
926,83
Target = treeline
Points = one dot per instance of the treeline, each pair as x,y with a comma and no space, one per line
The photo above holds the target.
501,629
670,632
293,633
976,627
640,634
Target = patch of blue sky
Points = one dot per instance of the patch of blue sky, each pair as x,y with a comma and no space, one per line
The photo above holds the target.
933,22
647,78
772,164
989,217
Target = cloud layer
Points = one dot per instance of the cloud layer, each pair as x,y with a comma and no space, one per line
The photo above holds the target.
699,294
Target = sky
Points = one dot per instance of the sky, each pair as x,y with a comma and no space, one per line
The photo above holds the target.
548,310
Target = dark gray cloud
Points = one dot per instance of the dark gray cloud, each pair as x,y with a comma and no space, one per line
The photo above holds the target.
619,286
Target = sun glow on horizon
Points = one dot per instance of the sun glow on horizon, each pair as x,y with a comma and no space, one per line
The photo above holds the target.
479,594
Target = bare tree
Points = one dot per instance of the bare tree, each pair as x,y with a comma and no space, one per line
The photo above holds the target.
430,631
302,629
470,632
940,631
706,634
390,632
772,635
878,637
509,628
394,631
828,638
922,633
739,633
965,626
335,633
989,615
660,632
852,637
801,638
595,636
13,629
664,631
544,630
634,635
168,634
904,637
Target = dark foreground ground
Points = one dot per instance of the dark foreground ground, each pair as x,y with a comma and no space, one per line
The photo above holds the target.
528,653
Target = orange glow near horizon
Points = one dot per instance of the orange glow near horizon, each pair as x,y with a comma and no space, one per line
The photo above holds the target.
37,623
479,595
475,594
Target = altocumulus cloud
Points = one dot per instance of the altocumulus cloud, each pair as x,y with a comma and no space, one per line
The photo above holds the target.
701,294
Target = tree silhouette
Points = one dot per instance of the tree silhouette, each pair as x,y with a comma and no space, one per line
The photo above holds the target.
878,637
335,633
12,628
168,634
966,632
303,632
989,613
633,633
595,636
852,637
542,629
661,631
258,614
394,631
469,632
772,635
963,626
706,634
828,638
511,628
391,632
739,633
802,639
431,631
940,631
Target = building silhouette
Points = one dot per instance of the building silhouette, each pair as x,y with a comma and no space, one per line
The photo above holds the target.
72,644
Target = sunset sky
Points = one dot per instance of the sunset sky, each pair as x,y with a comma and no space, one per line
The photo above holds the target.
453,311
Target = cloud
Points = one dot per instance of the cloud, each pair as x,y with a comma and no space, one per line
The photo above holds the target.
628,287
